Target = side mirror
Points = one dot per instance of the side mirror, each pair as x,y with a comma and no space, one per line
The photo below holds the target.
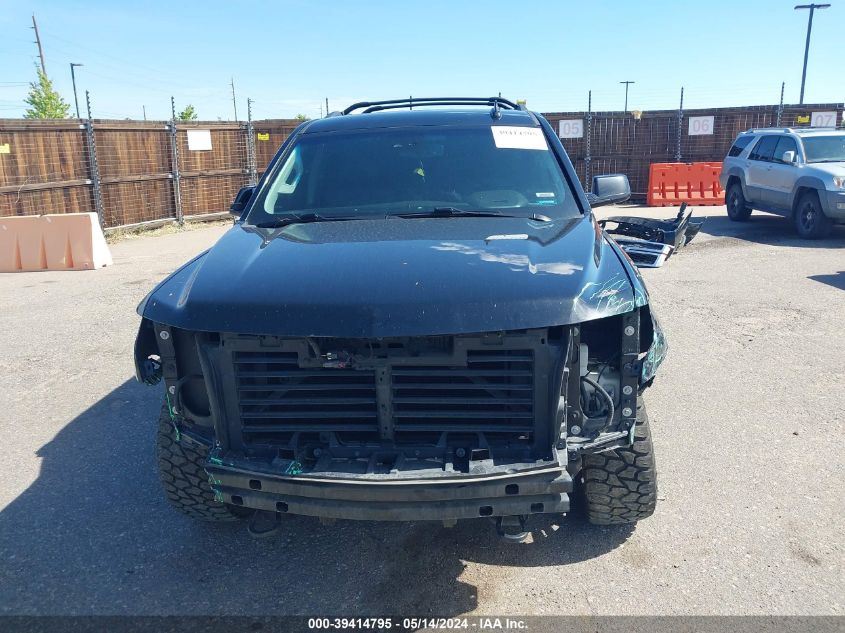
241,200
788,157
609,189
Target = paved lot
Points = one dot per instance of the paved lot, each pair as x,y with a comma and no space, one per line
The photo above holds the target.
747,414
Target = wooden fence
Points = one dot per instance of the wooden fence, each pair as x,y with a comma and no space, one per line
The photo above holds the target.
131,172
136,172
617,142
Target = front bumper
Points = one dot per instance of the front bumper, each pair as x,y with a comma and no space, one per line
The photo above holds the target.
441,499
834,205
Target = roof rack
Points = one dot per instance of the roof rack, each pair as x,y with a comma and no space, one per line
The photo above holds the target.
791,130
752,130
411,102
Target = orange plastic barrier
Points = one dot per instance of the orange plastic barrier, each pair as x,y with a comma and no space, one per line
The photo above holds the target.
71,241
670,184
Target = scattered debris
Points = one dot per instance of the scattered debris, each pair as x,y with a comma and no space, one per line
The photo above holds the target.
650,242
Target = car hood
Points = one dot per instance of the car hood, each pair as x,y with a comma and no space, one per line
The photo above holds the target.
399,277
834,169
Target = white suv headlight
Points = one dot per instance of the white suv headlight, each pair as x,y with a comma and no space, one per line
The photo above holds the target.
839,182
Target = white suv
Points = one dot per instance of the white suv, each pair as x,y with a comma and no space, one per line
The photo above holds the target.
796,173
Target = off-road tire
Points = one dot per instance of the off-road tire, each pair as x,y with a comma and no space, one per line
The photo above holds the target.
185,482
620,486
810,221
738,209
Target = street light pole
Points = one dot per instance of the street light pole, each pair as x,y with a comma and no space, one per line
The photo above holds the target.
627,83
812,8
75,98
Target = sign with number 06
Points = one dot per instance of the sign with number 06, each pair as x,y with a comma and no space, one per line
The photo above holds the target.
699,125
571,128
823,119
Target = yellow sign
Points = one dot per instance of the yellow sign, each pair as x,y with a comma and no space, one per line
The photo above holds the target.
803,119
264,137
5,149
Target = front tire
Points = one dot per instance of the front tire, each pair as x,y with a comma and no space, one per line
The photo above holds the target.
620,486
810,221
738,209
181,469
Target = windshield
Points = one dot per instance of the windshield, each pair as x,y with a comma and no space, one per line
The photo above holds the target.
825,149
392,171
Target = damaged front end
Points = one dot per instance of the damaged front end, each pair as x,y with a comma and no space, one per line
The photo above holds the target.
404,428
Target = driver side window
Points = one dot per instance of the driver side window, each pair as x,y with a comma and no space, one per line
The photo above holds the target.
785,144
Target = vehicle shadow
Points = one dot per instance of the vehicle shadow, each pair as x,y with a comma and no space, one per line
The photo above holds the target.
94,535
764,228
837,280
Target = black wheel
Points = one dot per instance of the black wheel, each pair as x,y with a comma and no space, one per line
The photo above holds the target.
810,221
621,486
185,482
738,209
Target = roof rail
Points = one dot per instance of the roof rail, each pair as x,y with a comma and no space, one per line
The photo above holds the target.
793,130
411,102
752,130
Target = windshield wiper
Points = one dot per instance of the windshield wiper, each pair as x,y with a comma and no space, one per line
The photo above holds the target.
448,212
454,212
828,160
300,218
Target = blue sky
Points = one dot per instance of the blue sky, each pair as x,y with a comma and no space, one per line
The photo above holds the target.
291,54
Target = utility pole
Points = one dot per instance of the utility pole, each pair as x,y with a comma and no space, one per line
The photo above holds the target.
73,79
144,108
627,83
234,101
812,8
327,106
41,51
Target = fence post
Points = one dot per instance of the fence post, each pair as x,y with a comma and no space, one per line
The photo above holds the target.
587,157
680,124
174,153
93,165
780,105
250,145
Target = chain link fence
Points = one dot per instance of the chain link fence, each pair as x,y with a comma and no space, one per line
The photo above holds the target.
134,173
629,142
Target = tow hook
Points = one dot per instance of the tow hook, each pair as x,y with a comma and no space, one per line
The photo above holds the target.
512,528
264,524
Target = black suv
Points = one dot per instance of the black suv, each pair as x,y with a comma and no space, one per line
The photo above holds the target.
415,317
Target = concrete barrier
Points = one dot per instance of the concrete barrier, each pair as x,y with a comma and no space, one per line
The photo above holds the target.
71,241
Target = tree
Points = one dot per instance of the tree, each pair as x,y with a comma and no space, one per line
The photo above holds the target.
302,117
44,102
188,114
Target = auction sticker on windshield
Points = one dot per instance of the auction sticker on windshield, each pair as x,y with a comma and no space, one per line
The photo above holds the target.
513,137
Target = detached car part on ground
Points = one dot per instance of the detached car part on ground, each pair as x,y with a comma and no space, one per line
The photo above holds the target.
415,317
649,242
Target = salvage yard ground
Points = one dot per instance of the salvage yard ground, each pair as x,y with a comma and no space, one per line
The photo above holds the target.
747,415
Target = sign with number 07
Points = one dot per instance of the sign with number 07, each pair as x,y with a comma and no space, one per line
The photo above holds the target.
699,125
823,119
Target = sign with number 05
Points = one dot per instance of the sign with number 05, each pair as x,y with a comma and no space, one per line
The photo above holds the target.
699,125
823,119
571,128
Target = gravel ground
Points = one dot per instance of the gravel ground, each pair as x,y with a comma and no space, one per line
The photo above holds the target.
746,413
